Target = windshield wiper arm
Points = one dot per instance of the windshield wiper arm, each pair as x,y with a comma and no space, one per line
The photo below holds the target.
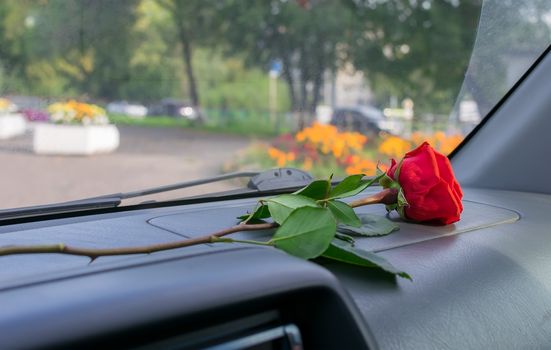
57,208
178,186
110,200
259,181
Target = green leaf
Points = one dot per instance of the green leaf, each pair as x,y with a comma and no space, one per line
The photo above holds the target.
345,237
316,189
402,204
343,213
306,233
342,251
261,212
397,171
371,226
386,181
402,201
351,186
281,206
348,184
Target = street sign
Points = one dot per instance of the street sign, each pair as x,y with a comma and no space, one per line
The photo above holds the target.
275,68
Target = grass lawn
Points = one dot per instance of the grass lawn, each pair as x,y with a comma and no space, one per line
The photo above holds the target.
246,125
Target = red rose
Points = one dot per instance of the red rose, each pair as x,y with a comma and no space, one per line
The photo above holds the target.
429,186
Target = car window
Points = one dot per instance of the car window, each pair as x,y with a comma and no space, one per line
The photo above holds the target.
103,96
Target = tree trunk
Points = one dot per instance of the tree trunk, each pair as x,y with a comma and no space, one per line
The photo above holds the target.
303,103
318,82
288,76
186,48
304,78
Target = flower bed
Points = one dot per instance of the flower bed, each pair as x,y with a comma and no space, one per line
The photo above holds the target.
74,112
77,129
11,123
322,149
75,139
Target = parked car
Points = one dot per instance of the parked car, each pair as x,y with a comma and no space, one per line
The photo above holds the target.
174,108
363,119
129,109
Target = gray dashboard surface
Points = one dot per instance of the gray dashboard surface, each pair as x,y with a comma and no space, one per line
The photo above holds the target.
475,216
170,224
485,281
97,304
489,288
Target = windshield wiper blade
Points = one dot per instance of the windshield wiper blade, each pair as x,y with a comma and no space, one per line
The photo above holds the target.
178,186
108,201
259,182
57,208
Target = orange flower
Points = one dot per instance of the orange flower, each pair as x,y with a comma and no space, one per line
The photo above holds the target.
307,164
439,137
439,140
291,156
273,152
328,140
394,147
450,143
361,166
418,138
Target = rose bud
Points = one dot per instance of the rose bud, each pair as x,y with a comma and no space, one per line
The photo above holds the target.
421,188
426,179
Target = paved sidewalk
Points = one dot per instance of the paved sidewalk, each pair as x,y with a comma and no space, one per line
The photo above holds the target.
146,157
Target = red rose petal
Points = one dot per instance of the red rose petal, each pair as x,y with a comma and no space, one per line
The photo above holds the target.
429,186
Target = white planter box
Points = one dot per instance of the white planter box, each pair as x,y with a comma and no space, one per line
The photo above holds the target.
75,139
12,125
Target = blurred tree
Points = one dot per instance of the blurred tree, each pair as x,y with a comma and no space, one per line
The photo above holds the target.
151,49
226,83
415,49
84,44
156,68
89,41
499,61
193,21
304,38
13,46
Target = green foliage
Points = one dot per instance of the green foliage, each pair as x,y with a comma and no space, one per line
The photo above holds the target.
345,237
423,53
370,226
308,223
317,189
342,251
306,232
246,126
259,213
305,40
343,213
133,49
156,121
351,186
281,206
225,83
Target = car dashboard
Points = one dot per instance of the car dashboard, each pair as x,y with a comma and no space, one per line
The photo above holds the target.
484,281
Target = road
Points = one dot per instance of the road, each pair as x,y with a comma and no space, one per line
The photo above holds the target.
146,157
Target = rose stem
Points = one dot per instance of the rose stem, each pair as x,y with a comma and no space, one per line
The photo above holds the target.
93,253
387,197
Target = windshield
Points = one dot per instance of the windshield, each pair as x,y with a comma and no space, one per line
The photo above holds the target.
102,96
